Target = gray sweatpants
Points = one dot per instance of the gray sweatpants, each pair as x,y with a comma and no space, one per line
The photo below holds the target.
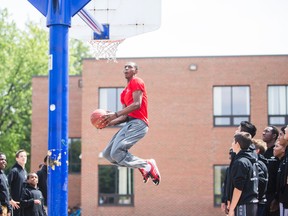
117,150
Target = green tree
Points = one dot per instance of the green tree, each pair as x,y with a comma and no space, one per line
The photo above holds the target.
24,54
15,89
77,51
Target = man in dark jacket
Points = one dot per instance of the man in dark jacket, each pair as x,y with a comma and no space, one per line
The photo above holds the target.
42,180
250,128
261,147
5,207
244,177
32,199
16,178
270,135
280,151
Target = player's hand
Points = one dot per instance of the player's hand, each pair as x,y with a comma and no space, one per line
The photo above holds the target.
15,204
223,206
106,119
37,202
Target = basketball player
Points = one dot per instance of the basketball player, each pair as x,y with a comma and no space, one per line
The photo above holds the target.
134,113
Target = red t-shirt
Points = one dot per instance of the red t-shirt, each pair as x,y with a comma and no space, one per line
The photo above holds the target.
136,84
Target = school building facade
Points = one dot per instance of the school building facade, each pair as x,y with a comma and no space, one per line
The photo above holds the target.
195,106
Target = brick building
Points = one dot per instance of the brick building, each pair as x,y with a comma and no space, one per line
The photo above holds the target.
195,105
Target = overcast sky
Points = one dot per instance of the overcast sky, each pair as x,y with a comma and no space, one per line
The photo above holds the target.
200,28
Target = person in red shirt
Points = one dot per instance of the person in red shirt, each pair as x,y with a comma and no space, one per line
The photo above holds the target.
135,114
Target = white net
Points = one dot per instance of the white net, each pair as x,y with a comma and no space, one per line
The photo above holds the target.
106,49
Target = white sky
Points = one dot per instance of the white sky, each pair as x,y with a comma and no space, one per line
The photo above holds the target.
200,28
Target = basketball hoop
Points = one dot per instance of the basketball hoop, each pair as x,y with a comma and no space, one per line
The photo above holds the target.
106,49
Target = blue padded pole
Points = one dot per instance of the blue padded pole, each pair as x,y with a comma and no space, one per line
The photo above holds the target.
58,13
58,20
58,122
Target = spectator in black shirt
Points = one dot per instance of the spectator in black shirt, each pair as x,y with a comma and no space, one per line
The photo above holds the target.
16,178
244,178
282,183
5,207
42,180
32,198
270,135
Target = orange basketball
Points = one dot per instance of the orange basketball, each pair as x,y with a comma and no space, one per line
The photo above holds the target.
95,118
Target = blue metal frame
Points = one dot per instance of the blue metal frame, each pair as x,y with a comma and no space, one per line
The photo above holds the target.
58,14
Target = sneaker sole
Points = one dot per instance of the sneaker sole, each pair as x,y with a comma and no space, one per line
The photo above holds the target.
156,182
144,180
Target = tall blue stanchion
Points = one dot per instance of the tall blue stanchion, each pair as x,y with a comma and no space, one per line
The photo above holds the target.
58,13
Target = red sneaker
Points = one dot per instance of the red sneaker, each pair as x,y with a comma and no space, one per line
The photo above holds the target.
145,174
154,172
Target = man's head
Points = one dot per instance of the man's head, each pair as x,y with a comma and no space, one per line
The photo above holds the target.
260,146
270,134
130,70
32,179
248,127
21,157
3,161
242,141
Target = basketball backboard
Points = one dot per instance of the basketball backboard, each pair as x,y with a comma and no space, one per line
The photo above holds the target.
120,19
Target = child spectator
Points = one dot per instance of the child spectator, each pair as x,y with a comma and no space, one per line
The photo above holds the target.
32,199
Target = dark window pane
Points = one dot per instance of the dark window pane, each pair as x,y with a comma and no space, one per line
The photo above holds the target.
74,145
219,177
115,185
107,178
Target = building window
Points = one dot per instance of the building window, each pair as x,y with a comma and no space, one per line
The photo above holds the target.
278,105
115,186
231,105
219,177
109,99
74,147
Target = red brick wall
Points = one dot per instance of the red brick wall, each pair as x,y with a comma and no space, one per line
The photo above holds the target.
181,138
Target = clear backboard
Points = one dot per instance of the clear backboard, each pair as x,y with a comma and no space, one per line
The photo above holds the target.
106,23
120,19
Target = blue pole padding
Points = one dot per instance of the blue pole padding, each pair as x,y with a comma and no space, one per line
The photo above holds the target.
58,14
58,122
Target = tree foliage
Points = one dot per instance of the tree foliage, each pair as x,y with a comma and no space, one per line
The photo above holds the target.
77,51
24,54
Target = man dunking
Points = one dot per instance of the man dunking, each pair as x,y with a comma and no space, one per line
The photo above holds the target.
135,114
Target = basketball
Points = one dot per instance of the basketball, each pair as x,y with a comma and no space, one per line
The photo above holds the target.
96,118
